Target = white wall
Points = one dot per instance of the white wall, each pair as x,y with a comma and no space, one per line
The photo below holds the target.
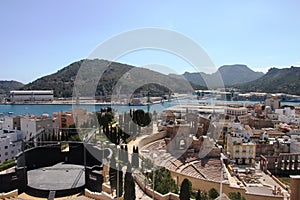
9,146
28,127
8,123
4,149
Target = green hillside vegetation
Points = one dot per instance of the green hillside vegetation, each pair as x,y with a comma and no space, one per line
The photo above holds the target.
7,86
285,80
126,76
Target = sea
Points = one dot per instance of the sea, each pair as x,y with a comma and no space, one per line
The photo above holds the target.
40,109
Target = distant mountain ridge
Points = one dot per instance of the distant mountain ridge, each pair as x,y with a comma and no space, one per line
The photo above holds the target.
7,86
286,80
229,74
235,74
62,82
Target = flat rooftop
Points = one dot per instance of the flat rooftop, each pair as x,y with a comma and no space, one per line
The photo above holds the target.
57,177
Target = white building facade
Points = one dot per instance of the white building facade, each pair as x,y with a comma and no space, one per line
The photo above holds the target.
32,125
10,144
31,95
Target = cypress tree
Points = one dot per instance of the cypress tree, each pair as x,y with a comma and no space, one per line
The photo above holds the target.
185,190
135,157
121,153
126,154
113,173
129,185
198,195
120,183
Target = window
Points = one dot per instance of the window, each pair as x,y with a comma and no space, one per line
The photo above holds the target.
6,153
5,147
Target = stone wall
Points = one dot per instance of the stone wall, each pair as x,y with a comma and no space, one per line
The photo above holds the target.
156,195
206,185
295,187
152,138
202,184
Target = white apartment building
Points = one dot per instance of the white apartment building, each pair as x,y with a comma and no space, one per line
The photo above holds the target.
285,115
238,145
32,125
10,144
241,152
7,123
11,138
10,122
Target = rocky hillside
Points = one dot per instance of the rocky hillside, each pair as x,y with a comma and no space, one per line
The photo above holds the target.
230,74
285,80
62,82
236,74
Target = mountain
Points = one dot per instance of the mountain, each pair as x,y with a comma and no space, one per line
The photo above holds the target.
230,74
285,80
196,77
235,74
61,81
7,86
116,77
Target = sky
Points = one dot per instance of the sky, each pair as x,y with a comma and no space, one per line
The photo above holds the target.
40,37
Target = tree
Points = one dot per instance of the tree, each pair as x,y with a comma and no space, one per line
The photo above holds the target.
236,196
135,157
73,134
201,195
113,173
141,118
129,185
198,195
121,153
185,190
163,181
126,154
120,183
213,193
146,164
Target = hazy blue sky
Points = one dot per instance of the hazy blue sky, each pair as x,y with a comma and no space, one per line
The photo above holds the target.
40,37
